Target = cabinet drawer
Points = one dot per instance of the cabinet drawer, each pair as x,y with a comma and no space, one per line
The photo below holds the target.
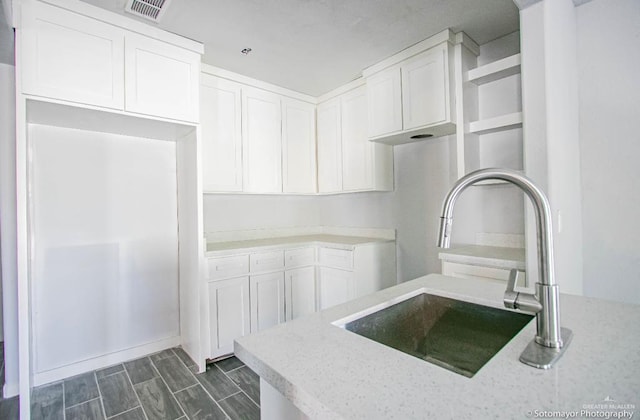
265,261
337,258
228,266
299,257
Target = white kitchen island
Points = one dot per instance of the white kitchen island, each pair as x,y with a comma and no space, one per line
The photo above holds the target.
326,372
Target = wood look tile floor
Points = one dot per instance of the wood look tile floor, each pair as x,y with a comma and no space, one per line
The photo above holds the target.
162,386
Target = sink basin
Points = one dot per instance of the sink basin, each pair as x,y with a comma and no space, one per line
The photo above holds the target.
456,335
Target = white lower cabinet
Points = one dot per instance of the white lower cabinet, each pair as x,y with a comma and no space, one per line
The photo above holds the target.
250,292
267,300
336,286
228,314
300,289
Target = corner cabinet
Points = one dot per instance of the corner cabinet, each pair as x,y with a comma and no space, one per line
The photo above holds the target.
347,161
298,147
413,97
70,57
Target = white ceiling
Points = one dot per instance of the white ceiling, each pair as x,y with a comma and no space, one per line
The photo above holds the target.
314,46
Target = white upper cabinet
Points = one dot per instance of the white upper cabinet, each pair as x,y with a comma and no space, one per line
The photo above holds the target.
71,57
161,79
347,160
411,94
261,141
425,89
220,121
357,164
329,147
385,102
298,146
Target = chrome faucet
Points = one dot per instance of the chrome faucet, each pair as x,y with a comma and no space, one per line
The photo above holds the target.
551,340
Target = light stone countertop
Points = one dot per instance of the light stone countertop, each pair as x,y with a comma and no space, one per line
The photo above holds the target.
331,373
486,256
249,245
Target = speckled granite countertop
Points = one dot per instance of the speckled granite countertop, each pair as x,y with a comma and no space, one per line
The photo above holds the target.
486,256
339,241
330,373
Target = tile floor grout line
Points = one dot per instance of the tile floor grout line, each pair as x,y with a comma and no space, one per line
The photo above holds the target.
186,387
126,411
64,404
167,385
229,396
104,411
83,402
205,388
234,382
126,373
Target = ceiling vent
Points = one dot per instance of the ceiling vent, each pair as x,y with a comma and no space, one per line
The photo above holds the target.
148,9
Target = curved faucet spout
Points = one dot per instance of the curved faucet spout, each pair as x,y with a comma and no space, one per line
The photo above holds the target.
549,334
540,205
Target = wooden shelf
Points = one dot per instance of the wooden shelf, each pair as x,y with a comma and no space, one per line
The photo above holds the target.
492,125
493,71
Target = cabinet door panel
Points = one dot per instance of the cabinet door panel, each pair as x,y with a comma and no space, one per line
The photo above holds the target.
357,151
329,147
72,57
300,287
384,102
424,89
228,313
267,301
161,79
336,286
220,117
261,141
298,147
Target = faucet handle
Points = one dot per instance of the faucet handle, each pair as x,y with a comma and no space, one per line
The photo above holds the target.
510,295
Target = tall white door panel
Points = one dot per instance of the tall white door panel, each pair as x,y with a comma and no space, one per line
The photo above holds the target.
357,150
221,128
329,147
298,146
261,141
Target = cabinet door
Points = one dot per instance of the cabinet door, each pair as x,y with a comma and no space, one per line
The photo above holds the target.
71,57
335,286
298,147
300,288
384,102
329,146
267,300
357,150
161,79
220,121
424,88
228,314
261,141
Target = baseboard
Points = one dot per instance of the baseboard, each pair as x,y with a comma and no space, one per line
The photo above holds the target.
57,374
10,390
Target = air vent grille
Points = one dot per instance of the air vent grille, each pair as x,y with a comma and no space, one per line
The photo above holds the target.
148,9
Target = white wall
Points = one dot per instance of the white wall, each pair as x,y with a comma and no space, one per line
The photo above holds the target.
105,259
609,92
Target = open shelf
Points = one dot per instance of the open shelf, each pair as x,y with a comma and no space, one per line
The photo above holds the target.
492,125
496,70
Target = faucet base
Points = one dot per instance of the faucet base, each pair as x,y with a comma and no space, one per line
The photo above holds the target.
542,357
